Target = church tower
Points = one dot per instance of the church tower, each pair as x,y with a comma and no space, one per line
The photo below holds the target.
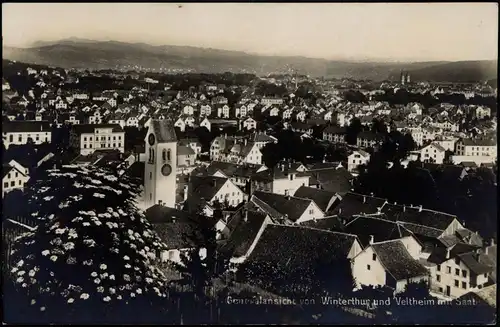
408,78
161,164
403,78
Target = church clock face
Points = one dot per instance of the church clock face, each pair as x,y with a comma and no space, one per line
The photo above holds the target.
166,170
151,139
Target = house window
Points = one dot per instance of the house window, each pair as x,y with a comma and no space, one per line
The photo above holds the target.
368,267
374,257
20,138
114,138
150,196
20,183
440,290
438,278
164,155
448,270
168,155
485,275
17,174
90,146
456,283
291,177
119,145
85,138
457,272
13,183
150,175
85,146
464,285
11,138
311,211
6,184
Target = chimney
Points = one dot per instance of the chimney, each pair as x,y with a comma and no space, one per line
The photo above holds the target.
245,215
447,253
364,199
492,242
288,197
246,141
160,202
404,208
174,219
371,194
486,250
340,211
371,239
420,208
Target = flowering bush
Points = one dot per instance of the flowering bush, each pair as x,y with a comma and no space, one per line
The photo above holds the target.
91,246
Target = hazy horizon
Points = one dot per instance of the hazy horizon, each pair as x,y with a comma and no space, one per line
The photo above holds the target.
338,31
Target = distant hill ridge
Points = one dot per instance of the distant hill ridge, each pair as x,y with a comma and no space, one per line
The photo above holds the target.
83,53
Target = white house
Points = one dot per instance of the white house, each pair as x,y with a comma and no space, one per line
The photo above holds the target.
392,263
454,273
14,178
358,157
476,150
87,138
274,112
482,112
432,153
206,123
249,123
214,189
180,124
18,132
205,110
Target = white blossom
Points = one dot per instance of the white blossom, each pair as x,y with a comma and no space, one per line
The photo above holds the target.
33,301
139,291
107,299
45,252
132,294
126,257
93,274
20,263
21,272
119,297
19,279
42,308
69,246
99,195
32,273
112,290
97,280
48,198
100,289
53,258
60,230
86,224
84,296
128,266
70,300
126,277
112,277
14,270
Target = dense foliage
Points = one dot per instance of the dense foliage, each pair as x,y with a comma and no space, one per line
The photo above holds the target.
79,259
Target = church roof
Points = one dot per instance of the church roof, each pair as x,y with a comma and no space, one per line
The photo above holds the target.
164,130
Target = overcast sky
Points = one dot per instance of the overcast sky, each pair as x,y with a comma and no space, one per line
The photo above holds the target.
403,32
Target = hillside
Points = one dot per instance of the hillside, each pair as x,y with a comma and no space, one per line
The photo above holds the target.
459,71
81,53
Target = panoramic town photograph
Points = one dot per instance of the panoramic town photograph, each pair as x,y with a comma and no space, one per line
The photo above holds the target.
249,163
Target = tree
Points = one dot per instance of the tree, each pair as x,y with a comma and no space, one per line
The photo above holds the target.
352,131
271,154
92,250
203,265
378,126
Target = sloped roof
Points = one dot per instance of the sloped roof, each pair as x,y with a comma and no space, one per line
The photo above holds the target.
292,207
231,169
488,295
22,126
183,150
164,130
244,232
381,230
424,217
206,187
356,204
173,226
295,246
337,180
331,223
321,197
396,259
